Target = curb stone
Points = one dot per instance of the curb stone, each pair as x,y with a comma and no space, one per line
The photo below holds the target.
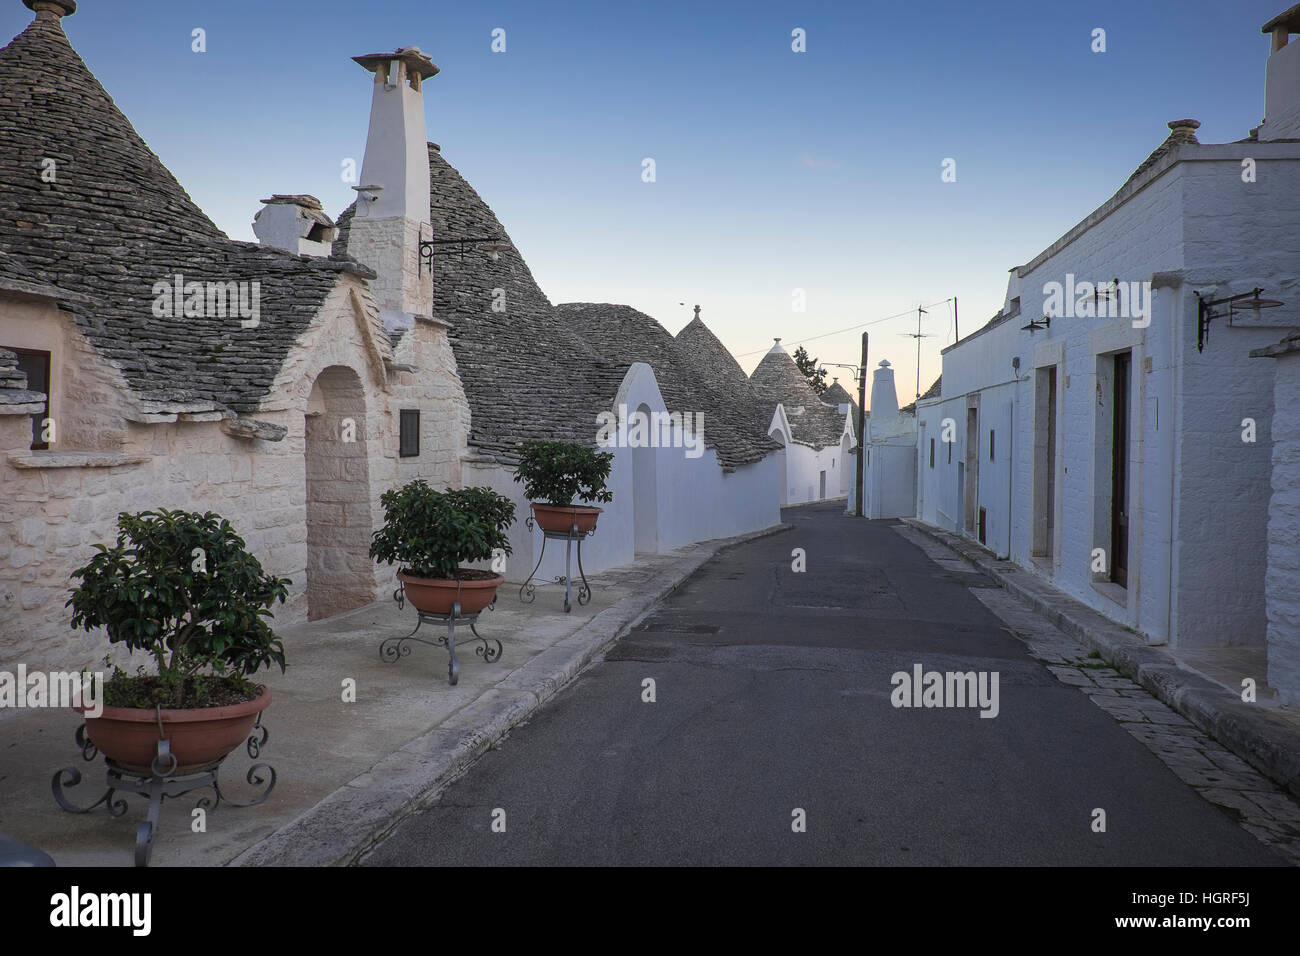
348,823
1261,738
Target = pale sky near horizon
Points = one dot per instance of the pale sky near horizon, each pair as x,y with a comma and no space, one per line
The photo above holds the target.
775,170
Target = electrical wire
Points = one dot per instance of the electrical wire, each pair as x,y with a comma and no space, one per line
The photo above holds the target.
852,328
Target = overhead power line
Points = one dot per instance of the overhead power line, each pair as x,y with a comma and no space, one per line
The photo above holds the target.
851,328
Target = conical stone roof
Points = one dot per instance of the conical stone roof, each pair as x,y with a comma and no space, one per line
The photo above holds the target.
525,372
836,395
732,426
708,355
777,380
113,221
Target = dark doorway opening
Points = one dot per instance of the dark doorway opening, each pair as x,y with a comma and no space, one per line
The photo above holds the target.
1119,469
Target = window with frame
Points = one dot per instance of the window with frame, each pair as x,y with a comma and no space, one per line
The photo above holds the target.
408,442
931,452
36,365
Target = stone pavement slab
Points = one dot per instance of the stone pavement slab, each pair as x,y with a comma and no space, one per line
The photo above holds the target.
1262,734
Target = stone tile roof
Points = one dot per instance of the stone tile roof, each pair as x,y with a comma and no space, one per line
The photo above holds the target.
708,355
733,426
777,380
836,394
18,279
934,391
115,221
526,374
538,371
1181,132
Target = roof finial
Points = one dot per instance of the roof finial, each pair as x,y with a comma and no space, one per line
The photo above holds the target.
52,9
1184,130
697,311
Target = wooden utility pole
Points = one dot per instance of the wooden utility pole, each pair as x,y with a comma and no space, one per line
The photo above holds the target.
862,424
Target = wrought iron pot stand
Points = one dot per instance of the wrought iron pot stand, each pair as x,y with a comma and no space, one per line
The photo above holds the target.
160,782
394,649
528,590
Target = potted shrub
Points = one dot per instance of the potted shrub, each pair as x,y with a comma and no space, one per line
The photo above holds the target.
430,533
182,587
557,475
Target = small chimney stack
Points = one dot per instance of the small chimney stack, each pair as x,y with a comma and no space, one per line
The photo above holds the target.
1282,78
392,210
1184,130
51,9
296,223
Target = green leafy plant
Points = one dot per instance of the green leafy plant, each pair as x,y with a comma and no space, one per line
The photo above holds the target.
561,473
430,533
182,587
808,366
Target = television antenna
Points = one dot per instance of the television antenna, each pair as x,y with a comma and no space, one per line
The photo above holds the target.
918,335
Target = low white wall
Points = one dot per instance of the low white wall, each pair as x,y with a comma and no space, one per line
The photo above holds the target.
688,499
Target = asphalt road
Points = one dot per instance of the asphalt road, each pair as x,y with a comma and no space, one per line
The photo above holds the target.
772,695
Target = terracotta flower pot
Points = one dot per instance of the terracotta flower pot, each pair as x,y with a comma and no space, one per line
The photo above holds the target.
437,595
561,517
199,737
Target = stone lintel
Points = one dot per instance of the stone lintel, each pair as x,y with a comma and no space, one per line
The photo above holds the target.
252,428
73,459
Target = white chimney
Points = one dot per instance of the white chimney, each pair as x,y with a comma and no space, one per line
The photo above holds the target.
392,213
296,223
884,400
1282,79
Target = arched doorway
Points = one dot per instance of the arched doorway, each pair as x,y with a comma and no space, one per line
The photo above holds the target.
340,574
844,463
645,489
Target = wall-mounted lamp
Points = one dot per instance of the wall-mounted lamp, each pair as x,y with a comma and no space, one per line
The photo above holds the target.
1035,324
492,245
1105,293
1206,311
857,370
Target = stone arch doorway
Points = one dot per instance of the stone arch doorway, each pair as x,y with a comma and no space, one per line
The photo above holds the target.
846,453
340,574
645,490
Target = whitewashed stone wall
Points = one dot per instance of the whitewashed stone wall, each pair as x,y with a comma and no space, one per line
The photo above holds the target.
51,516
1196,568
391,248
1283,580
686,499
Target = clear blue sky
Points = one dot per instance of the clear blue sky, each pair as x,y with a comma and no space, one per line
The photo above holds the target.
775,170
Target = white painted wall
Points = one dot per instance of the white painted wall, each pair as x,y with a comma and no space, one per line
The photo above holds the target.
694,498
1284,536
1196,512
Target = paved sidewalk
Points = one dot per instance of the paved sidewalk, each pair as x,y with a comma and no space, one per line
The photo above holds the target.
347,772
1264,735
